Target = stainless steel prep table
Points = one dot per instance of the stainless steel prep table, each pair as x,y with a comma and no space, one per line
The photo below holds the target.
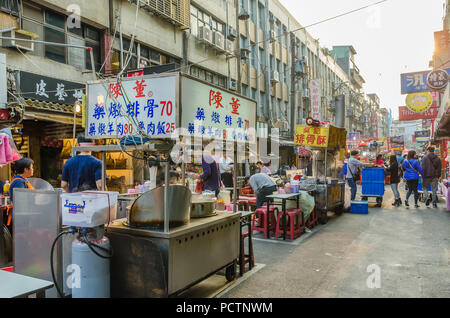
188,254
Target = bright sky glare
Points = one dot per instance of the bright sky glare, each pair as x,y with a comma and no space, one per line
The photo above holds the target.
391,38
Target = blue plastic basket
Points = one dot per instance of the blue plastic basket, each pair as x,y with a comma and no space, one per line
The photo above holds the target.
373,175
420,187
373,189
359,207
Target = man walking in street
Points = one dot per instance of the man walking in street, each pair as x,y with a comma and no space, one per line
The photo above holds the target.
431,166
353,174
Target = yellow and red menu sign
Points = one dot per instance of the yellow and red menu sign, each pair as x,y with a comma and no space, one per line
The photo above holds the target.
320,136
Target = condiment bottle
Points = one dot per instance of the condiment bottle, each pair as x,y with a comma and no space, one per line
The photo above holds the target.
6,188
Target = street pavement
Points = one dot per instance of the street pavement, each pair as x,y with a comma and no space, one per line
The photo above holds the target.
408,247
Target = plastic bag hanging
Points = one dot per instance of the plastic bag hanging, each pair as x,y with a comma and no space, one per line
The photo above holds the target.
14,152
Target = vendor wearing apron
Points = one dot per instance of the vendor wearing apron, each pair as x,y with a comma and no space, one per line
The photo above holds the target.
23,169
82,172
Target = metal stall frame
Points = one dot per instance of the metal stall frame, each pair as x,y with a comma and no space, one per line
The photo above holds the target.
154,147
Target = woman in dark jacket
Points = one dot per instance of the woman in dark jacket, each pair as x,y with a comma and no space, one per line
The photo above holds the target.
395,179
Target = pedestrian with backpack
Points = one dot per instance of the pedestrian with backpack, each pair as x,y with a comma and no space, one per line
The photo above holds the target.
431,165
412,170
393,171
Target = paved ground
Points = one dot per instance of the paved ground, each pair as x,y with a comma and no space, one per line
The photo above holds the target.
410,247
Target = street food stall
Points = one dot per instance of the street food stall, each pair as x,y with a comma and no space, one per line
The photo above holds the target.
160,249
327,144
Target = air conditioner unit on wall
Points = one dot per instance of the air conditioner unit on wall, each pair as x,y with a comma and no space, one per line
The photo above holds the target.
275,77
229,47
232,86
273,35
232,33
298,68
306,92
205,35
350,112
219,41
245,52
19,34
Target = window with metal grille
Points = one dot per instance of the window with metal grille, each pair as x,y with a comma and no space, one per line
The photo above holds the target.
10,6
52,27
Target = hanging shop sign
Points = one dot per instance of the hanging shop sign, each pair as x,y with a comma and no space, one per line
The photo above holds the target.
353,140
48,89
406,114
320,136
419,102
208,111
397,143
415,82
145,106
315,99
437,80
374,121
422,136
3,90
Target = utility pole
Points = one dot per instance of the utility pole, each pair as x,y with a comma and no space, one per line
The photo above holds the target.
238,49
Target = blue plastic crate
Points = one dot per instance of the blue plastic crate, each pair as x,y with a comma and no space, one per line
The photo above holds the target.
359,207
373,175
373,189
420,187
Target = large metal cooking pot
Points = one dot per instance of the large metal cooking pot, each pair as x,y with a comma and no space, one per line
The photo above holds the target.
202,206
147,211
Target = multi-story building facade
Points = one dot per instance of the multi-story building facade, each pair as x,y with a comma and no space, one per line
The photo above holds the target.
255,47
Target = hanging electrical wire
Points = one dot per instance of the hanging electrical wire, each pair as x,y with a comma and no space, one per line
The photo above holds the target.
292,31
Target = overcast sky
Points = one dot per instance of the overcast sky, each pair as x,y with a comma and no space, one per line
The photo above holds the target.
391,38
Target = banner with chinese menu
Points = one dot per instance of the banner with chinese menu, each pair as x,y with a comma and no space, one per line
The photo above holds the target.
320,136
404,114
135,106
208,111
314,87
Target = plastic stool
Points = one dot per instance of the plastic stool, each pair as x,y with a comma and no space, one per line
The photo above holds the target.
245,258
312,219
262,216
295,228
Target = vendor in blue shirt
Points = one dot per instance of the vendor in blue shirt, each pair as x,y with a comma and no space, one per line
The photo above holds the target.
82,172
23,169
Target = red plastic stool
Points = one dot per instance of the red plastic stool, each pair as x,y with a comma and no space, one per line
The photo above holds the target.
8,269
245,258
295,228
262,216
312,219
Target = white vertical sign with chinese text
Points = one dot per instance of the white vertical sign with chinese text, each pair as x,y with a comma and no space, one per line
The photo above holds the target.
3,98
135,106
211,112
314,88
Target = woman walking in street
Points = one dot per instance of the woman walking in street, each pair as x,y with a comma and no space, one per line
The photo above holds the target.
395,179
412,170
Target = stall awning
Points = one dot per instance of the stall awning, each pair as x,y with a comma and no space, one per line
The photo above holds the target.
443,127
52,112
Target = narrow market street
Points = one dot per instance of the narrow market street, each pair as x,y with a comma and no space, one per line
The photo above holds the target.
411,247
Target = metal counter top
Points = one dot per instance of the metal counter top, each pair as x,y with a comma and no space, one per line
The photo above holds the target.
193,225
